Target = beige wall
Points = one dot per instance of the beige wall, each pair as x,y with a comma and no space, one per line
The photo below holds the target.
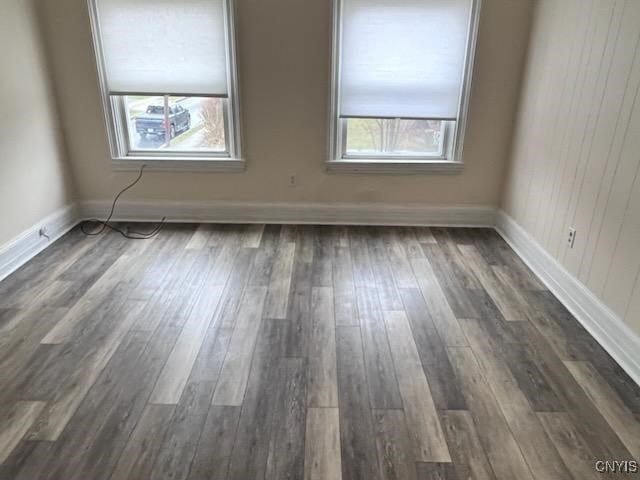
284,61
33,178
576,156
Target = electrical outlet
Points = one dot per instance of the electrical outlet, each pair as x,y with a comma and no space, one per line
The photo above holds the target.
293,181
571,238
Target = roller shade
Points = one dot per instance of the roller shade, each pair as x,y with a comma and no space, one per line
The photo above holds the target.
164,46
403,58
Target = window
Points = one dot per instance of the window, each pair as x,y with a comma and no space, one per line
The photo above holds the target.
400,86
167,72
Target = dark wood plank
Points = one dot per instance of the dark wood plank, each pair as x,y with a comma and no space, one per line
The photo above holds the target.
263,261
598,434
452,279
322,272
495,436
541,456
362,273
232,382
94,439
359,459
381,267
435,362
344,288
436,471
145,443
508,299
225,315
182,435
570,444
530,379
216,443
466,450
16,421
608,403
251,448
286,447
381,379
27,461
427,439
299,325
322,377
395,451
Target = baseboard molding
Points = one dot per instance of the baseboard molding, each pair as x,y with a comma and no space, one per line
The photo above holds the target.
29,243
609,330
604,325
295,213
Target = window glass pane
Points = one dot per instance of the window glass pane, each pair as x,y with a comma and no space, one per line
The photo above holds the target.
395,137
199,125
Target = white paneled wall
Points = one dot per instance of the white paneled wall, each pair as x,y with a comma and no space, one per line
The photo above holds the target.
576,155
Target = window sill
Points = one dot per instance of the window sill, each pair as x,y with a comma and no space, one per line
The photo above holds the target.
405,167
187,164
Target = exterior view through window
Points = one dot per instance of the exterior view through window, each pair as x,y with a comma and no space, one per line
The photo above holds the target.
380,137
195,123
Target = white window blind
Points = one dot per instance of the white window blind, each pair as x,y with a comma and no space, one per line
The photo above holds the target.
164,46
403,58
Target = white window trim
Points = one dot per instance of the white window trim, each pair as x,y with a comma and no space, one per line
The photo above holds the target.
178,161
337,163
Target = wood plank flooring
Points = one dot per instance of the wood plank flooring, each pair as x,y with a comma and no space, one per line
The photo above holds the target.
241,352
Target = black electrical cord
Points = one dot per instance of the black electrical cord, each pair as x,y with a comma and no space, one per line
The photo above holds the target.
128,233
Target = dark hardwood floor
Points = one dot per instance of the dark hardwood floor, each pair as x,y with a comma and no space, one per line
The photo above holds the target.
247,352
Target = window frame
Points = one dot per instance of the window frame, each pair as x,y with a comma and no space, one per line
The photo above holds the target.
450,163
123,157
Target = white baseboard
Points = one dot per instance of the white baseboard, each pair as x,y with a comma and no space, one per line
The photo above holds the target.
604,325
29,243
295,213
609,330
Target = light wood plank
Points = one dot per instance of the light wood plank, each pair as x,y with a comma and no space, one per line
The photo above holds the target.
399,260
323,383
100,291
443,317
286,446
200,237
232,383
424,235
541,456
278,296
344,288
501,448
253,235
509,301
428,440
176,371
357,438
322,445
